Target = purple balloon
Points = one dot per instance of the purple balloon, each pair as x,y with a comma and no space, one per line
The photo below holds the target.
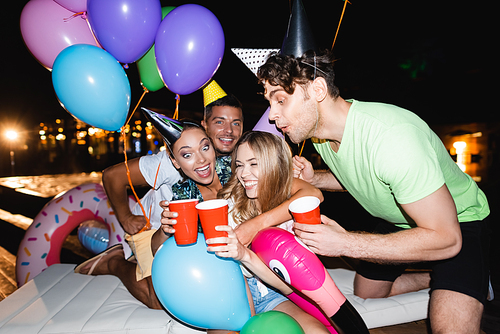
74,5
265,125
125,28
189,47
48,28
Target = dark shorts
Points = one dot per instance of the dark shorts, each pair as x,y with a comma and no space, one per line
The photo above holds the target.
467,272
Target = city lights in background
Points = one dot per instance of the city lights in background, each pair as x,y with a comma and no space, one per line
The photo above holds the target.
461,157
468,144
12,136
468,150
141,138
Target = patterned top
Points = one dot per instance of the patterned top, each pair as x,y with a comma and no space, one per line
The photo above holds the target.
188,188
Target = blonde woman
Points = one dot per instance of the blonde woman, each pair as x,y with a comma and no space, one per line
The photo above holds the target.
283,188
262,180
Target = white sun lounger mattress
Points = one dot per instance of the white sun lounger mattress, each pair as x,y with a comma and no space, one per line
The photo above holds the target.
60,301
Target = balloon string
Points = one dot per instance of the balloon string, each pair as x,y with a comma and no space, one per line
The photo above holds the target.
340,21
177,101
83,14
176,115
148,224
154,186
133,111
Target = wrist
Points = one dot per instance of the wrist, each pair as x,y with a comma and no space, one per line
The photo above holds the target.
347,245
246,258
166,235
125,217
318,178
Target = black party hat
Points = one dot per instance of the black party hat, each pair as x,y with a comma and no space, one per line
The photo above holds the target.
299,37
170,129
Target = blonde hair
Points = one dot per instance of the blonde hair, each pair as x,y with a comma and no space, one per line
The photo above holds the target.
274,159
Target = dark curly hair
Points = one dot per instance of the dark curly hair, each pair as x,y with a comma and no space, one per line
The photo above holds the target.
288,71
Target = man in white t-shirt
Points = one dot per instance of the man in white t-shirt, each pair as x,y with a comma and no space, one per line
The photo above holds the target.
223,122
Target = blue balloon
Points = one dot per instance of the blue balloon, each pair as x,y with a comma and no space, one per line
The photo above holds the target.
199,288
92,86
94,236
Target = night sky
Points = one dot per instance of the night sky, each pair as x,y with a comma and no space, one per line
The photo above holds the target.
432,57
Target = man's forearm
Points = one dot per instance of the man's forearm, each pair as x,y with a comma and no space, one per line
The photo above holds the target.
118,198
325,180
396,248
116,183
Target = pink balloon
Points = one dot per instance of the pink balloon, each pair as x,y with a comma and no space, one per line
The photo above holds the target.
265,125
48,28
74,5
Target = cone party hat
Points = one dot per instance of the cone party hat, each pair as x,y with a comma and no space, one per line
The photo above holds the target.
299,37
253,58
297,41
265,125
212,92
170,129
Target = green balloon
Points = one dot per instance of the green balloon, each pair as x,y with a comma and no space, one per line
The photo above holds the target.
272,322
148,71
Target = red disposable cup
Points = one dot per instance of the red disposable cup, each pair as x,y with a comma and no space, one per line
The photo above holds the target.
186,229
213,213
305,210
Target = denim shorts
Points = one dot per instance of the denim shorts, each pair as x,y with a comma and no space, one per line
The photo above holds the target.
264,303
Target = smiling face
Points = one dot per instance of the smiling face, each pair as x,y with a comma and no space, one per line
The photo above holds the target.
224,127
247,170
295,114
194,154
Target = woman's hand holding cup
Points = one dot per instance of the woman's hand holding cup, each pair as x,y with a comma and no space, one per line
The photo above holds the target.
231,247
167,218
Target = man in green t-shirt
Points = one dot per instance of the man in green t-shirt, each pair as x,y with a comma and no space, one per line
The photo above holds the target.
397,168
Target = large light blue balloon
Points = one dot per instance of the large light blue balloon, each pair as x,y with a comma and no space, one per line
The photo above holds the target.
92,86
199,288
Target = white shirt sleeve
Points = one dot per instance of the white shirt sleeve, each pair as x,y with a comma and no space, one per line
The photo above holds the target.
167,174
162,189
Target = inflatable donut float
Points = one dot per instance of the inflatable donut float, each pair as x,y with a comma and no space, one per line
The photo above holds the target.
42,243
298,266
